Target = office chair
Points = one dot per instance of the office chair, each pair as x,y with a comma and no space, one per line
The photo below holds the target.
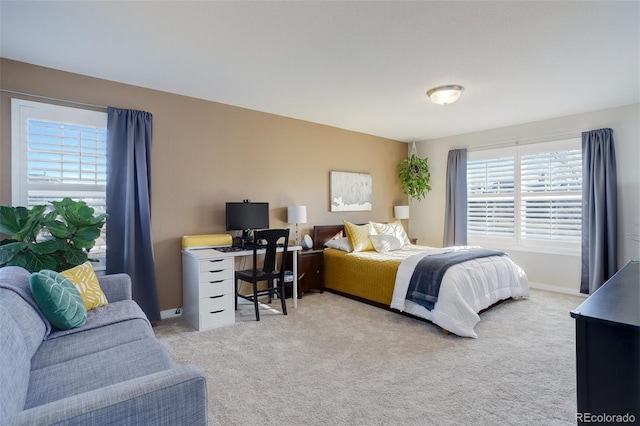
266,239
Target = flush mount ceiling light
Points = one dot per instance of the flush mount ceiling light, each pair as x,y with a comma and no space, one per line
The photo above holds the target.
445,95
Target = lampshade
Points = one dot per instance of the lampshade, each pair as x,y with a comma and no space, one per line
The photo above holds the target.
297,214
444,95
401,212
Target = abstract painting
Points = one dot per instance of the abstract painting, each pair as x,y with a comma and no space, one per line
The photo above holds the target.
350,191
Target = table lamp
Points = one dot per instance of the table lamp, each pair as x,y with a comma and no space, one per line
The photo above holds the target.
401,212
297,214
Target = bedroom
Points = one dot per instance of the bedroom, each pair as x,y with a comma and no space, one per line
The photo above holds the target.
206,153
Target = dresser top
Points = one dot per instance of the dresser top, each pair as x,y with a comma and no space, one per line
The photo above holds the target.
617,301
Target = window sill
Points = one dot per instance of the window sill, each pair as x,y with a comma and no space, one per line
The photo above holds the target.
542,250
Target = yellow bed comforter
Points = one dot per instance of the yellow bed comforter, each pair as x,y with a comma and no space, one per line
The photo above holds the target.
368,274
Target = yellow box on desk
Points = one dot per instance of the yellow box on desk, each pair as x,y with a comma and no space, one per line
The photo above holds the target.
206,240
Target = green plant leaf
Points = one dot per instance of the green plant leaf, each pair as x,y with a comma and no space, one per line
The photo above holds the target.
48,246
9,221
75,256
9,249
58,229
35,263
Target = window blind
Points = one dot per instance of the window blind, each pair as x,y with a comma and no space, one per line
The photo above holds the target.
490,197
59,152
526,196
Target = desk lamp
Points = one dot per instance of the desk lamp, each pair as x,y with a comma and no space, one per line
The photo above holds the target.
297,214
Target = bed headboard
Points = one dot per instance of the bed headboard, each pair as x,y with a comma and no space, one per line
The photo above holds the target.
324,233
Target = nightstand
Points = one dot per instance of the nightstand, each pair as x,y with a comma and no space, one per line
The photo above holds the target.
310,271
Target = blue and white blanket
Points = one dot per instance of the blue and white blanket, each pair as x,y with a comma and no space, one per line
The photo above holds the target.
426,279
466,289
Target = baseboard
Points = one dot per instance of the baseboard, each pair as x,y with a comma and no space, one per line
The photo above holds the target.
176,312
557,289
170,313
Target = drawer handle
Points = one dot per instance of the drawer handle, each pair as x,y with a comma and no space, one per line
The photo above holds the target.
216,260
215,282
216,270
216,297
216,312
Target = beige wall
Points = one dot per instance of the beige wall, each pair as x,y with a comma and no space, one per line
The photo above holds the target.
205,153
558,271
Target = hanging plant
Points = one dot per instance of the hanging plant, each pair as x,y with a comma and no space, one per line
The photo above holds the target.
414,176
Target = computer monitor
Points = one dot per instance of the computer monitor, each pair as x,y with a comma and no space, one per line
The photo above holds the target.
246,216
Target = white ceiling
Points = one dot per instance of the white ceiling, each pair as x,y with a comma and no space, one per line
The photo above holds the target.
357,65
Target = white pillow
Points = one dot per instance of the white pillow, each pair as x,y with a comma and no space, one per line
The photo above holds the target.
339,244
384,242
394,228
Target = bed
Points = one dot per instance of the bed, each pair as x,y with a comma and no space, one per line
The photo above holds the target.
381,279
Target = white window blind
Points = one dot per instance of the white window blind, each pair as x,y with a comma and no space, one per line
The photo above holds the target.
490,206
59,152
551,190
526,196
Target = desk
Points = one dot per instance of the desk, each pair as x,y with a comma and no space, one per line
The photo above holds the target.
208,282
608,347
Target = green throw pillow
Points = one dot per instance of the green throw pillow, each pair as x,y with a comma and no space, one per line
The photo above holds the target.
59,299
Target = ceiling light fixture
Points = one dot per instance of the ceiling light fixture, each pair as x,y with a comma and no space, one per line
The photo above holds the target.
445,95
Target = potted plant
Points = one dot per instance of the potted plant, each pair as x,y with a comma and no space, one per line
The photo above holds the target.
70,231
414,176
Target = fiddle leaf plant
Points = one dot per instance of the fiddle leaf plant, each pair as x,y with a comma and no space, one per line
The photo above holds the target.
59,239
414,176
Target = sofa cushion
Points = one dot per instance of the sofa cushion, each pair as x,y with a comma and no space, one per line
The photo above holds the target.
109,314
97,370
70,346
16,280
59,299
27,319
14,371
85,279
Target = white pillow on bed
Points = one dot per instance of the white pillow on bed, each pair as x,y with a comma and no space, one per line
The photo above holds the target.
385,242
394,228
339,244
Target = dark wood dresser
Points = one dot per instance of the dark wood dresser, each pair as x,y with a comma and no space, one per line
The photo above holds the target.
608,350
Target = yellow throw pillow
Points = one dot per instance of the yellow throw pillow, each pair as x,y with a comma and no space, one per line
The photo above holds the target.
85,279
358,236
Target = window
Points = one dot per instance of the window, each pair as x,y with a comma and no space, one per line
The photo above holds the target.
59,152
528,196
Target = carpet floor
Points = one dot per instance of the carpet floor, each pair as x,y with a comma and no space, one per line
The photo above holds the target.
336,361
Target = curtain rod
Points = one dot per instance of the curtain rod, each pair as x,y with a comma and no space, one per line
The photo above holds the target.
54,99
527,141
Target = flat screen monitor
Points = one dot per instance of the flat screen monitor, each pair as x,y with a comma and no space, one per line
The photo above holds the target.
247,216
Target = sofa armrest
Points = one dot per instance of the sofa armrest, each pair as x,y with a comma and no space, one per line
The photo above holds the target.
172,397
116,286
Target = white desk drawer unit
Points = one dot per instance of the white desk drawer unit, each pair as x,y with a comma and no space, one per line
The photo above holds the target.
208,289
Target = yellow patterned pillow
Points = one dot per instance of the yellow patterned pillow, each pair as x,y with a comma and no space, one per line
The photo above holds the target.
358,236
85,279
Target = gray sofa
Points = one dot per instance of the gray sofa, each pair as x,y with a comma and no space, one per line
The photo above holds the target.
110,371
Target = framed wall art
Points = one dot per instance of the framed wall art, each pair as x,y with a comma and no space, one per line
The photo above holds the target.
350,191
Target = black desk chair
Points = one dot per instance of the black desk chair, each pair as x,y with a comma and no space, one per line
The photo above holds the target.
266,239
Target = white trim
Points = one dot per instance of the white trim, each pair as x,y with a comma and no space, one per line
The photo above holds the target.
558,289
527,141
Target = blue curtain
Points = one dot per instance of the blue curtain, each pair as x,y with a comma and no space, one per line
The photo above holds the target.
129,242
599,209
455,218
